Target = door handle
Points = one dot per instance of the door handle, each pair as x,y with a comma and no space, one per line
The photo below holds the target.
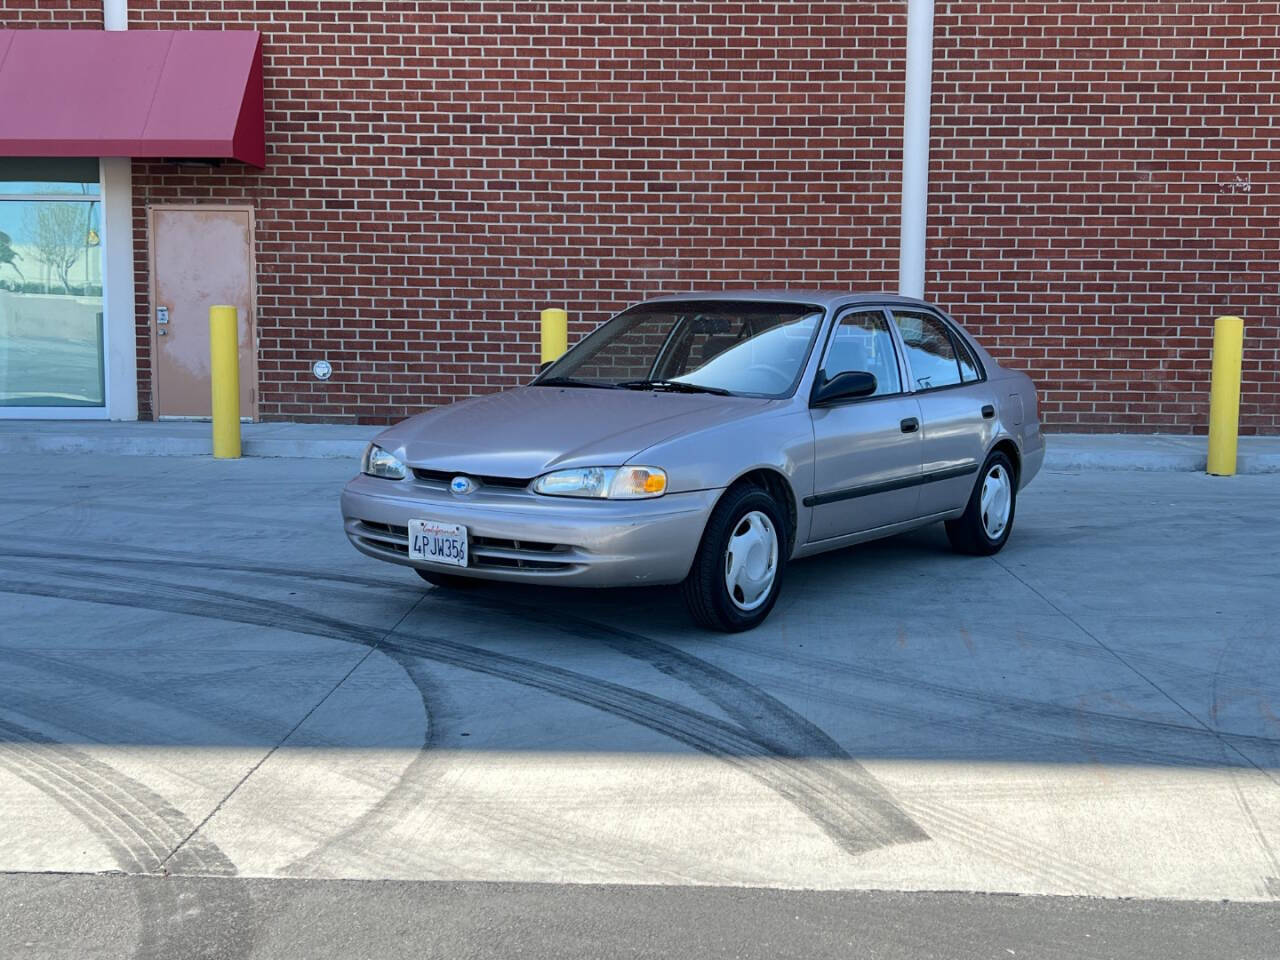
988,412
910,425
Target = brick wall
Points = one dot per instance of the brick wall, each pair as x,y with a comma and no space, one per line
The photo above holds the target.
1102,183
438,172
50,14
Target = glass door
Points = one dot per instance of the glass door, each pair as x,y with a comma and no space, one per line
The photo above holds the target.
51,329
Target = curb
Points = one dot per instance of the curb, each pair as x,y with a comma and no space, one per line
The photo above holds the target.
1065,453
269,447
1163,460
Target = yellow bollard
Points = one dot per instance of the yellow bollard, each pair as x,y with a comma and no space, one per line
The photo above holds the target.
555,334
224,375
1224,395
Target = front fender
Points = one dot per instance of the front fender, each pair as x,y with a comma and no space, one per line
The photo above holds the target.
713,459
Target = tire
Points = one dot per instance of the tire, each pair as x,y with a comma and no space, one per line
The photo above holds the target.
752,516
973,532
449,580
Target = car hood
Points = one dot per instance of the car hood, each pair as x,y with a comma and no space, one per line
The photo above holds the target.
530,430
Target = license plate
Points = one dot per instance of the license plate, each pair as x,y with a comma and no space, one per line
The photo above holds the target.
438,542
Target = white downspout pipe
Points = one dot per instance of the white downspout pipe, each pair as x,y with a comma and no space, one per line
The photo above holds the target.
117,260
115,14
915,148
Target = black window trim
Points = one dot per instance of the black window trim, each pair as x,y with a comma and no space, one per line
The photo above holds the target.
956,336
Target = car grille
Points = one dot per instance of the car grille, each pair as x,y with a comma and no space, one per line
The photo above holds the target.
484,551
439,479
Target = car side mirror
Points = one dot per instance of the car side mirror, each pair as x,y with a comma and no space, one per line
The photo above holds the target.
544,364
843,386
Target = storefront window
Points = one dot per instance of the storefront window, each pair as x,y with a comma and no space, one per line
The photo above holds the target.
51,348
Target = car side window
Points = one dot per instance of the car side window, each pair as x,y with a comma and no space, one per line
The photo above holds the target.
931,352
862,342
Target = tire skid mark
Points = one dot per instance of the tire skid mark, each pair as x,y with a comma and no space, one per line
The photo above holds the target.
123,844
239,719
127,824
1016,706
774,725
992,726
1258,833
766,719
413,791
1038,860
155,905
1030,739
139,827
169,559
837,815
1126,726
192,506
809,742
1012,705
412,787
1001,791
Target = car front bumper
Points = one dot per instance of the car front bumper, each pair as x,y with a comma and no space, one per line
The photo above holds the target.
524,537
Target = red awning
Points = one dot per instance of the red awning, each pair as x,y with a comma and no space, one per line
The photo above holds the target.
132,93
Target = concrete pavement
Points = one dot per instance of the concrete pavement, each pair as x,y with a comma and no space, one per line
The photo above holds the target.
199,677
1067,451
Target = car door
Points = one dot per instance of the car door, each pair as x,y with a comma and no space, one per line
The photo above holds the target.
957,415
866,450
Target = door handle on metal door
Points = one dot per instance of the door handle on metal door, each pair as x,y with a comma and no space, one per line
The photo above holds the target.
910,425
988,412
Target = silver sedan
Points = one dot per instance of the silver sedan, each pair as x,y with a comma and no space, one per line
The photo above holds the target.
709,440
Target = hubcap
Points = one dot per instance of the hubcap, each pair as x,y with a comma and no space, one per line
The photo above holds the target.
997,500
751,561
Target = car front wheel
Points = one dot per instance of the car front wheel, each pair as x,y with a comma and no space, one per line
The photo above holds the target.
984,528
737,572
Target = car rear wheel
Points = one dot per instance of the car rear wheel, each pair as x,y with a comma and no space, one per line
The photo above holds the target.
984,528
737,572
450,580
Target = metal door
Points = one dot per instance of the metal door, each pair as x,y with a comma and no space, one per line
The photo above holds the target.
956,434
957,408
201,256
866,466
867,451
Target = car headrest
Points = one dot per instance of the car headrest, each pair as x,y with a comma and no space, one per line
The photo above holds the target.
714,346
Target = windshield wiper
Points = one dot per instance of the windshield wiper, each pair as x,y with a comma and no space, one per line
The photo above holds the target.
571,382
677,386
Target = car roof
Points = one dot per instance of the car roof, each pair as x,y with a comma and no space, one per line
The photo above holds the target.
815,296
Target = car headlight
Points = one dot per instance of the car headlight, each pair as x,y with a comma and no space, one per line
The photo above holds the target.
378,463
612,483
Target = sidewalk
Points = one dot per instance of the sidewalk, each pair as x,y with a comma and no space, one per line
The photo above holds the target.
1067,451
1154,451
181,438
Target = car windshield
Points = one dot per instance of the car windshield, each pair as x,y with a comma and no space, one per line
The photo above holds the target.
714,346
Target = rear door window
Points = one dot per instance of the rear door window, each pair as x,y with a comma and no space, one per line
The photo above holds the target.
931,352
